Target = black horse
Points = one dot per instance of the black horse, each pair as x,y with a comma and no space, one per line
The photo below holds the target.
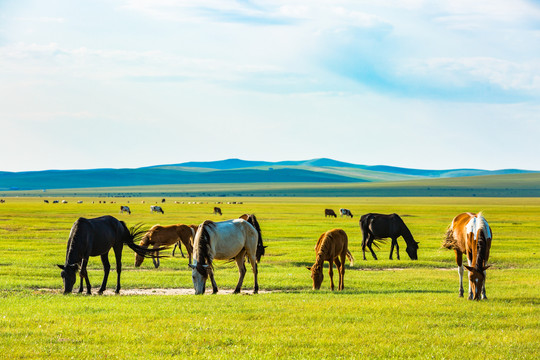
95,237
378,226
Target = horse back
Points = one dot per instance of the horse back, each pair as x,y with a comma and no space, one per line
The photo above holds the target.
229,237
96,236
332,243
382,226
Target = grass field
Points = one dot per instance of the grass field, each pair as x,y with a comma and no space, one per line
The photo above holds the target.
389,309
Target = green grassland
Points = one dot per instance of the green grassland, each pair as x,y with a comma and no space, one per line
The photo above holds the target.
389,308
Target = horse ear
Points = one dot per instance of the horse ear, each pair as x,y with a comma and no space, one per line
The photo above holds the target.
470,268
308,267
61,267
418,242
192,266
486,267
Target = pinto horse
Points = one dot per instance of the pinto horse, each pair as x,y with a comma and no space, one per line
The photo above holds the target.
470,234
232,239
332,246
378,227
159,236
96,237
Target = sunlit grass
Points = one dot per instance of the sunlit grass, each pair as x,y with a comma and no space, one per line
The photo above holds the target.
389,309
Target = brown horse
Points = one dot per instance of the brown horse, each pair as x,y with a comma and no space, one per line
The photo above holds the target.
470,234
331,246
159,236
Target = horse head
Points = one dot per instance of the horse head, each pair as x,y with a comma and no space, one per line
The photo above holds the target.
477,279
412,250
69,276
316,275
139,258
199,275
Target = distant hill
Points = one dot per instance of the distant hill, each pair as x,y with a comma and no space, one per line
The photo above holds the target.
230,171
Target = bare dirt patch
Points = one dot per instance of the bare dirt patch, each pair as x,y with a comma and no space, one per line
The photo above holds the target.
176,291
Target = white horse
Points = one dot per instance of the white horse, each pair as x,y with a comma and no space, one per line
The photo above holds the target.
155,208
224,240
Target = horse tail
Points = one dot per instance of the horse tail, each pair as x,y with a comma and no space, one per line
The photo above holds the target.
450,242
252,219
350,257
136,232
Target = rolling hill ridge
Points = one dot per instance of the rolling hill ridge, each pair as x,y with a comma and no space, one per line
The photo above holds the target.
230,171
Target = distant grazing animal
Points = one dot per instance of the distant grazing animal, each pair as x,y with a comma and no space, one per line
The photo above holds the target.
155,208
162,201
378,227
329,212
345,212
95,237
159,236
471,235
217,211
64,202
55,202
331,246
124,208
225,240
79,202
46,201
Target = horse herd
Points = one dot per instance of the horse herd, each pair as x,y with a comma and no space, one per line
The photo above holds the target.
241,238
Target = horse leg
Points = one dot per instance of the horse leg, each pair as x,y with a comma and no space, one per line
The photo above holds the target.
469,261
370,242
174,248
331,273
241,269
397,248
106,269
392,249
459,261
364,243
180,247
84,275
214,285
118,256
156,262
340,268
484,297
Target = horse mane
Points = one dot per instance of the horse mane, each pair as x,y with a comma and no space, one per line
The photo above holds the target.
73,255
252,219
482,246
203,246
407,235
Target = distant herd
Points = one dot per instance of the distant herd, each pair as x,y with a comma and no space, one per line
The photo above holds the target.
237,239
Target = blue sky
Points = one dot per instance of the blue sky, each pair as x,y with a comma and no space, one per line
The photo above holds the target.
129,83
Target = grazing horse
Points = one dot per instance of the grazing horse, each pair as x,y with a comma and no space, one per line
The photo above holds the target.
376,227
232,239
332,246
163,236
217,211
155,208
95,237
345,212
125,209
329,212
471,235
